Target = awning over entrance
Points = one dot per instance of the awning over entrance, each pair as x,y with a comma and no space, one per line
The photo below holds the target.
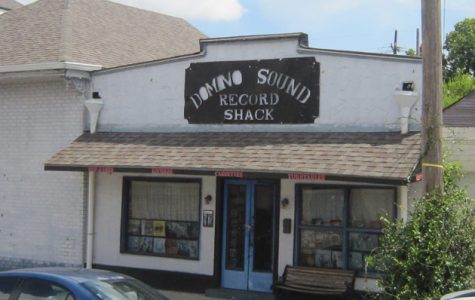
375,157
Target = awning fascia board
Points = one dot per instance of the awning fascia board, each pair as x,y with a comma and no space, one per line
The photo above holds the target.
222,173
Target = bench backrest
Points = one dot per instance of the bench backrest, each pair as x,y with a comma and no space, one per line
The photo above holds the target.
319,279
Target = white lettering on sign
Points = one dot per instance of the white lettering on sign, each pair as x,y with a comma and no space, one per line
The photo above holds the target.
108,170
285,83
301,176
162,171
246,114
237,174
248,99
218,84
259,114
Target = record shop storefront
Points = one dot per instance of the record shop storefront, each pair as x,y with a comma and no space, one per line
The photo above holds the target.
220,168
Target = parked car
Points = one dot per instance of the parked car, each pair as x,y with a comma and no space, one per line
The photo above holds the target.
73,284
465,295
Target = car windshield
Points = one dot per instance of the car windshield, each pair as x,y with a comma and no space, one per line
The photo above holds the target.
122,289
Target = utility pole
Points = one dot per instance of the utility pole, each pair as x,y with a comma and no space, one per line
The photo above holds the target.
394,45
432,168
418,44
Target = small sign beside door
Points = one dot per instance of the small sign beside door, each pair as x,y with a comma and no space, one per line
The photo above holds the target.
208,218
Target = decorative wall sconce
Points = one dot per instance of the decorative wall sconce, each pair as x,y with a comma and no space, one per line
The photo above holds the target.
284,202
208,199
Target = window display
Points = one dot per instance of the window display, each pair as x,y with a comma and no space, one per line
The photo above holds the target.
339,227
162,217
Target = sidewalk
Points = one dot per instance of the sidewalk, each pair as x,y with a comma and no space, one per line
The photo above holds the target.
174,295
218,294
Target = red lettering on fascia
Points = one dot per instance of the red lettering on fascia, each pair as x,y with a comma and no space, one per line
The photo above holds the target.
108,170
302,176
162,171
237,174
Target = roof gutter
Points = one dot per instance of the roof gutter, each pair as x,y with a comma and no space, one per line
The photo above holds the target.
50,66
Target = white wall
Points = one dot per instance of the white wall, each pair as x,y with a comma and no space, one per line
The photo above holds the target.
356,91
41,213
460,147
107,229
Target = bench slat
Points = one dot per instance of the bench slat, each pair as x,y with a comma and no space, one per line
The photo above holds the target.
318,292
307,287
317,280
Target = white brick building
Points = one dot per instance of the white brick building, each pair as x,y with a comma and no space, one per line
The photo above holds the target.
199,159
45,66
39,209
166,167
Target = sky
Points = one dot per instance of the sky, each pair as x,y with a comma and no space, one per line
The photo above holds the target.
356,25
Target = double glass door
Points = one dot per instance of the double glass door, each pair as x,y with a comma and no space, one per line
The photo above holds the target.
248,235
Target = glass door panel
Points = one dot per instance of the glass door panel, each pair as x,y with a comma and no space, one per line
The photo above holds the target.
248,239
263,228
236,229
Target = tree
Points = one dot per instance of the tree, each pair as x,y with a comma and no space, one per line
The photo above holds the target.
410,52
460,45
434,252
457,87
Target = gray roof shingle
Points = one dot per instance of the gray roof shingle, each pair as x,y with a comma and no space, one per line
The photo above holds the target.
461,113
91,32
368,155
9,4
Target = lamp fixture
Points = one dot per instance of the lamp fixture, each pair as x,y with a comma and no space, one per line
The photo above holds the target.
284,202
208,199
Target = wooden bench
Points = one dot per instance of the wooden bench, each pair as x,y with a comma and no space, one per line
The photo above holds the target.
317,281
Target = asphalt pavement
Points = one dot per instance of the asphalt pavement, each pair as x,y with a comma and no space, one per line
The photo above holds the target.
174,295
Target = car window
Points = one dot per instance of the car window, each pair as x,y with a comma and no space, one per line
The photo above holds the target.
37,289
7,285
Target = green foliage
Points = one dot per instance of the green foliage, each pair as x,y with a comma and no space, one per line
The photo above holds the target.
460,45
457,88
434,252
410,52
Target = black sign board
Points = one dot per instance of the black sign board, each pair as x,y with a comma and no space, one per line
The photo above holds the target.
255,91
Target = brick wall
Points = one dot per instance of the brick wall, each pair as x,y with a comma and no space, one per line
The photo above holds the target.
41,212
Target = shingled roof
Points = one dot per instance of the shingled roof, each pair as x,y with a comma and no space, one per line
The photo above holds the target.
9,4
388,156
461,113
96,32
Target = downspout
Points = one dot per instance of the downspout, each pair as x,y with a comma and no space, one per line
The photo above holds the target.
90,219
93,106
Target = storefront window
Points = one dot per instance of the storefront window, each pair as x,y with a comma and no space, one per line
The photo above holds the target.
339,227
161,217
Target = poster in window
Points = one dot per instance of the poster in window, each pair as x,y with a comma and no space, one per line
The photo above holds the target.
134,227
159,246
337,259
208,218
133,243
356,261
323,258
147,227
183,230
187,248
171,247
159,228
146,244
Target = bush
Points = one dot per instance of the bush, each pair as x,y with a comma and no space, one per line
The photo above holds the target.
434,252
457,88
